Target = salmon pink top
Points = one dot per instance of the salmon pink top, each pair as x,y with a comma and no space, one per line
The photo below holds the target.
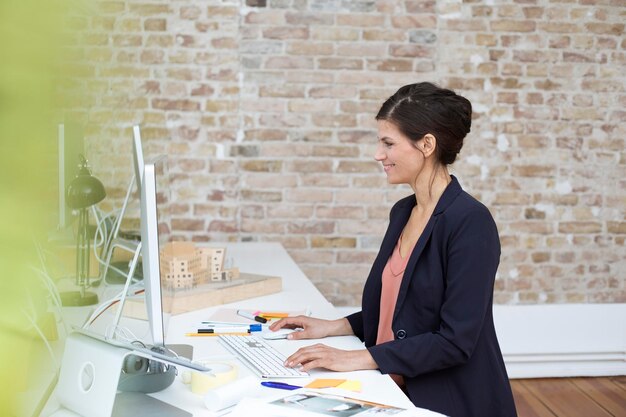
391,280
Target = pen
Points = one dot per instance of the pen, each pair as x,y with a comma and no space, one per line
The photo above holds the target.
251,316
219,330
215,334
236,327
279,385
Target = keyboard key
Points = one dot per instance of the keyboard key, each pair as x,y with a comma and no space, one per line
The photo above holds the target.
260,356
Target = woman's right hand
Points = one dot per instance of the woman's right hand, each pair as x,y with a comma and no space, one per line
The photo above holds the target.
313,328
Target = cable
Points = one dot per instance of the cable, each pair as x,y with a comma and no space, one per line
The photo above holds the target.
105,306
49,284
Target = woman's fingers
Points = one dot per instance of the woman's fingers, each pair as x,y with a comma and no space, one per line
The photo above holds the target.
287,322
322,356
316,356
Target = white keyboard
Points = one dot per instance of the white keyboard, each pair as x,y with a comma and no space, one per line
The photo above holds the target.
260,356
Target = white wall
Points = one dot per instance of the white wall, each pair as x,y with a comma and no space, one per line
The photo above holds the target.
559,340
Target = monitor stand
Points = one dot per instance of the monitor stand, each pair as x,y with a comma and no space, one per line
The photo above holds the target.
133,404
89,378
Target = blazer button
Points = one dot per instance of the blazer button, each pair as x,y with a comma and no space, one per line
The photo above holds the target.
400,334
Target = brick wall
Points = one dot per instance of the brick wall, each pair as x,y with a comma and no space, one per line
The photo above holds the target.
265,109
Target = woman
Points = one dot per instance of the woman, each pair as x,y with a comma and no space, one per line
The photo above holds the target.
426,315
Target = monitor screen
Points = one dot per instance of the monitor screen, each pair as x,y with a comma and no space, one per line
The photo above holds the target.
155,233
70,147
137,156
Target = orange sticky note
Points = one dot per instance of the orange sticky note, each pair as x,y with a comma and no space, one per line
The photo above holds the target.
351,385
325,383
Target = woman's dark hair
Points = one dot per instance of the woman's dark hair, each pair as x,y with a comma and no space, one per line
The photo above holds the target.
422,108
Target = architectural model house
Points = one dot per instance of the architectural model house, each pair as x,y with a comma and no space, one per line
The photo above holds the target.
185,266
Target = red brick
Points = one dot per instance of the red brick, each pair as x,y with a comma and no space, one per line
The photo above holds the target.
411,51
152,57
224,43
390,65
315,166
512,26
334,120
333,242
360,20
181,105
616,227
221,12
160,40
336,151
311,227
340,63
149,9
384,35
286,32
413,22
616,29
334,33
155,25
190,12
339,212
281,91
289,63
127,40
187,224
580,227
420,6
223,226
467,25
333,92
309,18
310,48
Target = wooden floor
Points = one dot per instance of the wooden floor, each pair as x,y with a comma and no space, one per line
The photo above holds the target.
570,397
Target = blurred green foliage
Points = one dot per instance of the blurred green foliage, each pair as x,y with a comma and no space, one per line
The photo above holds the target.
28,69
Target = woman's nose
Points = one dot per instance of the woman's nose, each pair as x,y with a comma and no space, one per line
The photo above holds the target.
379,155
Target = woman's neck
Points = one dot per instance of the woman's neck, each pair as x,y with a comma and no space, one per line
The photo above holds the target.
430,186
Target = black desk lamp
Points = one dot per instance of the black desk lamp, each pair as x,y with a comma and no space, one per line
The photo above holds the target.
84,191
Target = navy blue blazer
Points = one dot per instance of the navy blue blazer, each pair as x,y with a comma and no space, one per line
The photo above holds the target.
445,342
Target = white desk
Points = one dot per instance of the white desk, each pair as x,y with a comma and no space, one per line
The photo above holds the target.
298,293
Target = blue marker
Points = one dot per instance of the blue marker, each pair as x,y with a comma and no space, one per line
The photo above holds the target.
279,385
235,327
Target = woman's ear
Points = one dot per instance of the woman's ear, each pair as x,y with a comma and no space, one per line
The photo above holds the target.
428,144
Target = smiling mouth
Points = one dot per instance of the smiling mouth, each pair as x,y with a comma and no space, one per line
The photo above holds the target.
388,167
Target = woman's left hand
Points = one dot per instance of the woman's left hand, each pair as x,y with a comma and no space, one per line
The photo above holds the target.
322,356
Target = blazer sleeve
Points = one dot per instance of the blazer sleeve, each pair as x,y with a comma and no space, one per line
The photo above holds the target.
473,253
356,322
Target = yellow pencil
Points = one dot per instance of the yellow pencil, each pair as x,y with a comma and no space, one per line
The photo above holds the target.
273,315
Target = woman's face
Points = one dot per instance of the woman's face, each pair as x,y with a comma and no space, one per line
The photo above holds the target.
401,160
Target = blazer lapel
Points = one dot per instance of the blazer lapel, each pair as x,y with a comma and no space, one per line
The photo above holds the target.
410,267
452,190
394,230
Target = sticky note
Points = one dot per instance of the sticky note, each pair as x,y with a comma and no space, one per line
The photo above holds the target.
325,383
351,385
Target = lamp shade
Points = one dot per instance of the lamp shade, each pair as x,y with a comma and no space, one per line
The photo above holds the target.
84,191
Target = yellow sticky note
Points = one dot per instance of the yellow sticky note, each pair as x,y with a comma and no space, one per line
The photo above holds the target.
325,383
351,385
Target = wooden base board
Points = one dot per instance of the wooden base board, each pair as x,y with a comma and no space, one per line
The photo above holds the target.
208,295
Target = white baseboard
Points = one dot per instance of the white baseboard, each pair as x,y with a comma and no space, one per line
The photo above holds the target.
559,340
562,340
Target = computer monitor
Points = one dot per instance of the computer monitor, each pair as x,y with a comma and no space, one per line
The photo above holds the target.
155,230
116,272
70,147
138,162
